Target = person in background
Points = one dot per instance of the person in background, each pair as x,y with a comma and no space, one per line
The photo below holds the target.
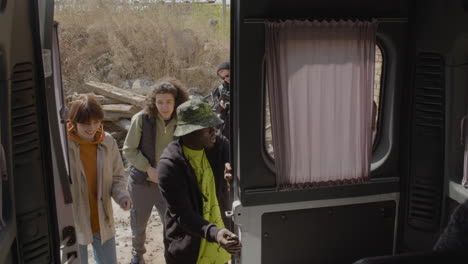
150,132
97,174
192,174
222,97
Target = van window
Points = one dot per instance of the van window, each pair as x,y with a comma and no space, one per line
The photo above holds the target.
377,91
376,108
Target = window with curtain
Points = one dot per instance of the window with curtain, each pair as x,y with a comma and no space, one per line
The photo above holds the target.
321,79
377,106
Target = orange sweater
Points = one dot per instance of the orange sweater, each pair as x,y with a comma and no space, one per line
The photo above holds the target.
88,156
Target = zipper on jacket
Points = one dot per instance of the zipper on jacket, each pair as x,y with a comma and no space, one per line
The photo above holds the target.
187,163
204,197
100,168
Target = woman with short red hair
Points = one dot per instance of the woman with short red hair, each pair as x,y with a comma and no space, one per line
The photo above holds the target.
97,174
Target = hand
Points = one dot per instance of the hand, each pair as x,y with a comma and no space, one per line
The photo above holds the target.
222,104
229,241
227,172
126,204
152,174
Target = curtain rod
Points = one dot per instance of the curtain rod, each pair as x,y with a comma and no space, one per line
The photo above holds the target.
381,20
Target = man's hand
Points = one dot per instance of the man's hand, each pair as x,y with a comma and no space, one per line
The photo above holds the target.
152,174
126,204
222,104
227,172
229,241
228,175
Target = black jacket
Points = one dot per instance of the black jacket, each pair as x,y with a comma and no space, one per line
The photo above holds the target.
184,224
455,235
223,92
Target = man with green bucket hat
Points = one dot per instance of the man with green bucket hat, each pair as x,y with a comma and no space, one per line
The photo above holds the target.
191,174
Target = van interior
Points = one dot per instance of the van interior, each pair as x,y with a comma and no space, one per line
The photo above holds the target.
404,144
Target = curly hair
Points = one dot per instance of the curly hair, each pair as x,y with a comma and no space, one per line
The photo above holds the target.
167,85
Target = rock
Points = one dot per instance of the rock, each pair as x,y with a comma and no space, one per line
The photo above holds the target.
127,84
194,91
213,22
142,83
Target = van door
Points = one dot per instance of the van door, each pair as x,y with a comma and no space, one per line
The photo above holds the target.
36,189
330,224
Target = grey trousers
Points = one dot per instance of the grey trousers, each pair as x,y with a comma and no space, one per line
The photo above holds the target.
144,197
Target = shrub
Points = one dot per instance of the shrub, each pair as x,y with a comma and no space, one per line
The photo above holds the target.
112,41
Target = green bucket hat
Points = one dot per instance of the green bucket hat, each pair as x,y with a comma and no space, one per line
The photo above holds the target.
194,115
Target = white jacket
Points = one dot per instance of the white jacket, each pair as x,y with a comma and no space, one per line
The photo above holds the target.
112,182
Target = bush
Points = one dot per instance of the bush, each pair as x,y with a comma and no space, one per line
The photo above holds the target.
112,42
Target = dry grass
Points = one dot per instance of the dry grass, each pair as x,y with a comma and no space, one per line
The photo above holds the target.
113,42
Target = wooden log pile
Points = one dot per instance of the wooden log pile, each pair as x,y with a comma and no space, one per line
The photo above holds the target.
119,106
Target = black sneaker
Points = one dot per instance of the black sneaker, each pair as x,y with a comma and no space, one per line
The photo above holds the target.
137,260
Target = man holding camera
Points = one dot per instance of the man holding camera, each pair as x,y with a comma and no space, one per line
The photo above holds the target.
221,98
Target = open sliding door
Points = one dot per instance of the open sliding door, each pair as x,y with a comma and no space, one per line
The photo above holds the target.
35,188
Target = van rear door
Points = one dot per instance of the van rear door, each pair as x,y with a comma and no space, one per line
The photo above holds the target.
36,189
332,224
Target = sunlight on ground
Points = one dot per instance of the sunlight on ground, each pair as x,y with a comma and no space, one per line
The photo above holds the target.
123,238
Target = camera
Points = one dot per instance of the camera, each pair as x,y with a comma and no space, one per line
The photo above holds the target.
221,94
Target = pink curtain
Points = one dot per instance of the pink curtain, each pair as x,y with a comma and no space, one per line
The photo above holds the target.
320,78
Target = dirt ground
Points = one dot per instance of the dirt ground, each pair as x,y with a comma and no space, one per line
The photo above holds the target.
123,238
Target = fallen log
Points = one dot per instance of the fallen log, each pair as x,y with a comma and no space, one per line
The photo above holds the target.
101,99
114,117
121,108
113,92
142,91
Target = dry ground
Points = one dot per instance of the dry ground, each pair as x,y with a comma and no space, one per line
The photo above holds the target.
123,238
